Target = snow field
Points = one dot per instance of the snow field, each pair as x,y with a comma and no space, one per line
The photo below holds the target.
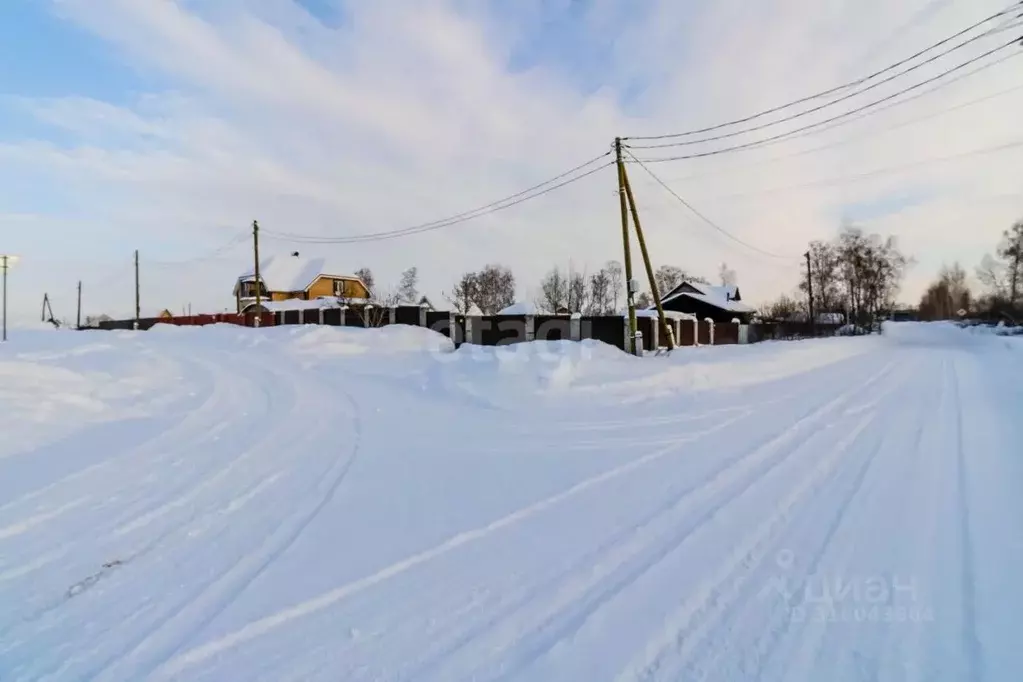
322,504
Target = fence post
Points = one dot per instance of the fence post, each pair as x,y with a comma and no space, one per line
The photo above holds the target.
655,335
320,321
530,330
468,330
575,327
391,312
422,316
710,323
453,329
638,350
344,309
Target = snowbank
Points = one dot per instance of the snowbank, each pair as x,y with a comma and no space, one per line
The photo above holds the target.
926,334
355,341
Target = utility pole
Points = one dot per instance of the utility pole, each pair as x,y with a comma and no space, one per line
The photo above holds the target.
629,293
255,254
809,290
4,265
78,315
665,329
138,309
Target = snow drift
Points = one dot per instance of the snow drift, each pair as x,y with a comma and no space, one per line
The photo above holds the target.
314,504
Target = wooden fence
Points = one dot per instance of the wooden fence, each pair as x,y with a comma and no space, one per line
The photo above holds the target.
499,330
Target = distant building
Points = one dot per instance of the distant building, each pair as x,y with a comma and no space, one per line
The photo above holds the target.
287,281
719,303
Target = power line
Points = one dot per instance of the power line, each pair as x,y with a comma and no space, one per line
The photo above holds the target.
824,93
704,218
566,178
876,131
821,107
795,132
235,241
876,172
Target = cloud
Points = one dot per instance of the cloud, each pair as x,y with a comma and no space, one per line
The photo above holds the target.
393,113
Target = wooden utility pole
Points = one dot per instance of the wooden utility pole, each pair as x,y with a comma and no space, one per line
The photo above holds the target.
78,314
6,263
809,291
255,255
138,308
665,329
625,244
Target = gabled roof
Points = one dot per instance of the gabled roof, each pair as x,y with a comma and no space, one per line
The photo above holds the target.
292,273
717,296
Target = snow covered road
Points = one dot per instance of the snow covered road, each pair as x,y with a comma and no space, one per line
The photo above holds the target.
324,504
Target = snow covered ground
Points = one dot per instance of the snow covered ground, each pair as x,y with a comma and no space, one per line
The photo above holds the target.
342,504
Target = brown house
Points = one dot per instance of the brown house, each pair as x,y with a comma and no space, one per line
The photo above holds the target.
295,278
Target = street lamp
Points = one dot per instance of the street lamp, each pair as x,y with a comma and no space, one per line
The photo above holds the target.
7,262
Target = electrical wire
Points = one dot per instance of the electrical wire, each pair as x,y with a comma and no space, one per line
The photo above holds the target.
887,170
237,239
821,107
813,126
868,133
566,178
704,218
824,93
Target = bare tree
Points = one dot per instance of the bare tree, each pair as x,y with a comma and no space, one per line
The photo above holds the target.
601,299
991,274
1011,252
644,300
782,308
667,277
464,293
578,292
947,296
554,292
495,289
826,277
366,275
407,292
614,274
871,269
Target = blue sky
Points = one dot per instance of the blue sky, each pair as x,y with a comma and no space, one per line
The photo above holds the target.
170,126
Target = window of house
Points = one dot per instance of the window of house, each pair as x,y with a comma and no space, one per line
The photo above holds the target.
339,288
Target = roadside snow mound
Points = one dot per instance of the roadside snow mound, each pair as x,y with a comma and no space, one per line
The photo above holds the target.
355,341
523,370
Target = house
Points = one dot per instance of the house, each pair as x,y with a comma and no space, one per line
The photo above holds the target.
289,281
719,303
165,314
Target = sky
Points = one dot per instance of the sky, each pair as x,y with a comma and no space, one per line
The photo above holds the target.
168,126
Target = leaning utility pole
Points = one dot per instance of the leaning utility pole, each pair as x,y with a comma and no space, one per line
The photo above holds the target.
138,309
3,265
255,255
6,263
809,291
629,293
665,329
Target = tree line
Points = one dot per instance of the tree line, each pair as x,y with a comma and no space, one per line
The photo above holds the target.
854,275
561,290
1000,276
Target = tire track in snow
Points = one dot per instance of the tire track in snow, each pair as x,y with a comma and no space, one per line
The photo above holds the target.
616,565
971,643
146,653
808,639
269,623
693,622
